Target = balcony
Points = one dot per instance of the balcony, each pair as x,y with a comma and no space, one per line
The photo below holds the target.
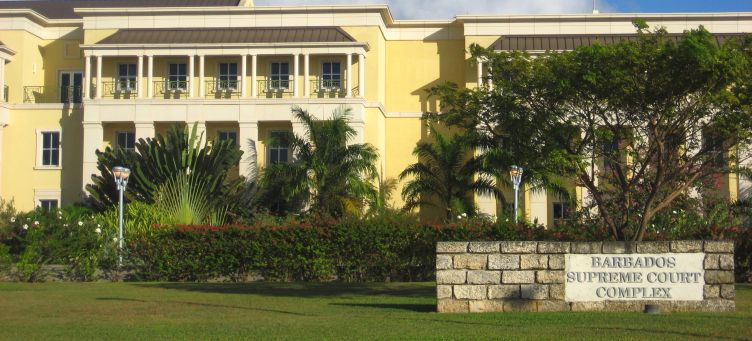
52,94
180,90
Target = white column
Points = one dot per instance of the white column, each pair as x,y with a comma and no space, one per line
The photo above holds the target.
2,79
200,131
150,77
247,138
480,73
191,75
87,77
296,73
362,75
299,129
349,75
254,82
201,92
243,74
490,80
538,206
360,128
745,184
99,77
140,75
306,75
144,130
93,138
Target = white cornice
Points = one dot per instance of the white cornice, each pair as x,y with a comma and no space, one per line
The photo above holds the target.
604,16
39,18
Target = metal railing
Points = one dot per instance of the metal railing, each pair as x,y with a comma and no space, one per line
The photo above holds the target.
52,94
331,88
275,88
120,89
223,89
171,89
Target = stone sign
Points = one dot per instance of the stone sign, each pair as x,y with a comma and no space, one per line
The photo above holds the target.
666,276
513,276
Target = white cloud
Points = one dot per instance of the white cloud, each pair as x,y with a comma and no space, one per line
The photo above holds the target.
446,9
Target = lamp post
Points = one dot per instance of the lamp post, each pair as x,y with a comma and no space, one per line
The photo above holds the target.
516,174
121,175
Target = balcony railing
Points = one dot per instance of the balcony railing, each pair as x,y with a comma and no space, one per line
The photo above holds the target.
329,88
171,89
120,89
220,89
49,94
275,88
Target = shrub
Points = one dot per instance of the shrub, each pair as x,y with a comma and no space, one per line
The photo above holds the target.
40,238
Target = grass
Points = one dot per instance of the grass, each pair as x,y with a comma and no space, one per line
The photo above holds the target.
318,311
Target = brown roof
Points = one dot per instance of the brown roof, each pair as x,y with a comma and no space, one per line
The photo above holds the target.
229,36
573,41
63,9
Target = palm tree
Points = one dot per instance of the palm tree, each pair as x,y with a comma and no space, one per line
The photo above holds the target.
445,176
327,174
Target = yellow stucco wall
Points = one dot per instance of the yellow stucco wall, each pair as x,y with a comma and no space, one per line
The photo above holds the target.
20,173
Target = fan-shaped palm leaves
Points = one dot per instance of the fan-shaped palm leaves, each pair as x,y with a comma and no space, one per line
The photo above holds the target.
446,176
327,174
158,160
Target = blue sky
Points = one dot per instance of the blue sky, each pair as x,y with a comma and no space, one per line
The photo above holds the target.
682,6
446,9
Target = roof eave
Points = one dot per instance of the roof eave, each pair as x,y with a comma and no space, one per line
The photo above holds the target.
364,45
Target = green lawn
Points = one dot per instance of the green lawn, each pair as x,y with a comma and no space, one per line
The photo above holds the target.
319,311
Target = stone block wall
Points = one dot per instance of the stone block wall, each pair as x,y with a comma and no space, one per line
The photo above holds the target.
529,276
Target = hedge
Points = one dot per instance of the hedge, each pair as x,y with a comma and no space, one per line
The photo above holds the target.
383,249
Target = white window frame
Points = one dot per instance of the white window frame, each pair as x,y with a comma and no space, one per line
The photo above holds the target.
564,205
40,147
47,194
269,148
184,86
236,80
270,80
117,139
72,74
341,76
227,132
132,81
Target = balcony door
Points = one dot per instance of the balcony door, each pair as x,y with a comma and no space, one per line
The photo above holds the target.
70,86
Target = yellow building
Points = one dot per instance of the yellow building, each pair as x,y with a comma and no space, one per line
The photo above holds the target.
76,76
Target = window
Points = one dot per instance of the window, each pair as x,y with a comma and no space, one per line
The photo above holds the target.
331,76
70,86
50,149
228,135
48,204
610,154
126,77
126,140
177,78
277,153
713,143
561,212
280,76
228,76
47,198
